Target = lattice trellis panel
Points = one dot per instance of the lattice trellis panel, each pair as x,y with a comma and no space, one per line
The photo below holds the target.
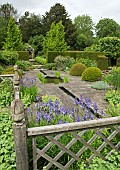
83,141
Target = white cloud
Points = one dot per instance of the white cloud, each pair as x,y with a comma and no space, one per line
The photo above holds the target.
96,9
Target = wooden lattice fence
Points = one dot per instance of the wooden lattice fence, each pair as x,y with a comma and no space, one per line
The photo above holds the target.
54,133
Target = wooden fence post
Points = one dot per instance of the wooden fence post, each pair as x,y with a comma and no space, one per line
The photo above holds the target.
19,126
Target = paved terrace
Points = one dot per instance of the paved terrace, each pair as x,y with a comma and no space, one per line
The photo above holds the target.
75,85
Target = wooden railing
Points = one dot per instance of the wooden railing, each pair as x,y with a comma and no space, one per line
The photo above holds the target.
55,132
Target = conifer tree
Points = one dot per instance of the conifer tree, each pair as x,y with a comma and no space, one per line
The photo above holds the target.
55,38
14,36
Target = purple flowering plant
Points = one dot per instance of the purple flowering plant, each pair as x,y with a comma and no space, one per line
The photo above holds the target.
54,112
28,90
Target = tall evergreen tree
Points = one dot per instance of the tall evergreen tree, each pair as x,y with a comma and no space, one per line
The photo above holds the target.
54,40
30,25
14,36
58,13
7,11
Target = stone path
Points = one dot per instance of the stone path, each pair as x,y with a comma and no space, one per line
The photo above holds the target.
75,86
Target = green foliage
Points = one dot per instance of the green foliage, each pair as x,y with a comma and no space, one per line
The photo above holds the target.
6,92
28,90
3,25
24,65
7,153
113,95
41,78
56,14
77,69
100,85
88,62
112,163
113,109
10,70
40,60
55,38
113,78
23,55
37,43
49,66
7,11
102,62
84,26
1,69
30,26
64,61
118,62
65,79
14,37
8,57
57,74
91,74
110,46
107,28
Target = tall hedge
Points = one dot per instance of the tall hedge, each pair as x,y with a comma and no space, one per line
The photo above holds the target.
99,57
23,55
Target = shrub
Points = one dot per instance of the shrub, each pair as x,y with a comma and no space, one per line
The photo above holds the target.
100,85
10,70
88,62
9,57
77,69
23,55
40,60
7,153
102,62
24,65
92,74
114,77
49,66
6,92
113,95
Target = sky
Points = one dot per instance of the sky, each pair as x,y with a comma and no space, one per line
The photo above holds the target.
96,9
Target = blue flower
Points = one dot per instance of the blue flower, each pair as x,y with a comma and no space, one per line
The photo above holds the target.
77,119
47,117
60,121
95,108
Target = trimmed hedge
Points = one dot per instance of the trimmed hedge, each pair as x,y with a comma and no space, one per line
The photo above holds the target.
99,57
102,62
23,55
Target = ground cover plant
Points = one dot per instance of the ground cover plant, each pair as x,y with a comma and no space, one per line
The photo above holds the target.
7,153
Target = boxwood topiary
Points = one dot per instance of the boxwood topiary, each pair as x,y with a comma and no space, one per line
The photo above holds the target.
10,70
92,74
77,69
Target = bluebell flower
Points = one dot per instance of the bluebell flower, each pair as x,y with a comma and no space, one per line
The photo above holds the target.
95,108
47,117
76,101
91,116
60,121
84,118
77,119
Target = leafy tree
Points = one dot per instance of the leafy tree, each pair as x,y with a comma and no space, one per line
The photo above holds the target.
54,40
58,13
84,26
14,36
7,11
30,25
111,46
37,43
3,25
107,28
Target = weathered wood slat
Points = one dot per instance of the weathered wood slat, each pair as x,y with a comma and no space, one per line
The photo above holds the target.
88,146
67,146
44,130
81,151
34,154
112,135
57,164
63,147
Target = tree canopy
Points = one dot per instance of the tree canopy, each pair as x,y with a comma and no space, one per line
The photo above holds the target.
7,11
30,25
54,40
107,28
14,36
58,13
